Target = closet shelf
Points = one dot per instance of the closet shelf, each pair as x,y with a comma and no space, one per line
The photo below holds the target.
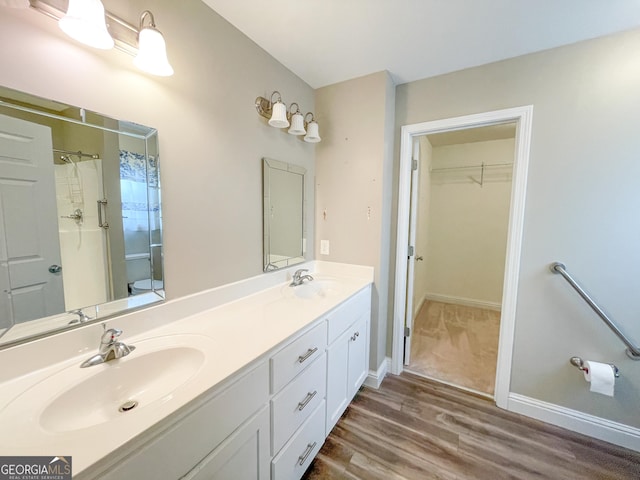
482,167
467,167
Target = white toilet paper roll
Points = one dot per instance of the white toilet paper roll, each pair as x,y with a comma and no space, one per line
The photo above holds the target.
601,377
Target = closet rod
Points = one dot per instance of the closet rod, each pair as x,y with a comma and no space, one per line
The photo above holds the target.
486,165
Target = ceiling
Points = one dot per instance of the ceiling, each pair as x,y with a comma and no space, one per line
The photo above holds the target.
329,41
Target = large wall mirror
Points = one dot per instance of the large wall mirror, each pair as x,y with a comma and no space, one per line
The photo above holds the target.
284,206
80,218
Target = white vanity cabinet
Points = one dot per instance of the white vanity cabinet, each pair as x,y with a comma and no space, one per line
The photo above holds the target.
267,422
347,353
227,433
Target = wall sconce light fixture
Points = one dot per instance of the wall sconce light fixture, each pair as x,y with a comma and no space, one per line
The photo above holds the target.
85,22
88,22
312,135
279,117
152,49
297,121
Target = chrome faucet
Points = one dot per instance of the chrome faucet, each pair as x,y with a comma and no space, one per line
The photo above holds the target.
110,349
298,278
82,317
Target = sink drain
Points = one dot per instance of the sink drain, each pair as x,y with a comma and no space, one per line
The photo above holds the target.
130,405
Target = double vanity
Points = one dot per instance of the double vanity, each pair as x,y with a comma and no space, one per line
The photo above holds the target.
244,381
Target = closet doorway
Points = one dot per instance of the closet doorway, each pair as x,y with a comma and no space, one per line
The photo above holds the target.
413,253
463,181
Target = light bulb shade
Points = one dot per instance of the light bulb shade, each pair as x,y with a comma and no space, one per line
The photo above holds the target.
152,53
297,124
279,116
312,135
85,23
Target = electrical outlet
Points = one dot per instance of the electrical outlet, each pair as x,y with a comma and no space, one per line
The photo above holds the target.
324,247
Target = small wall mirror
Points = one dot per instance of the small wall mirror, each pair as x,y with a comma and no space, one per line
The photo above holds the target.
284,206
80,221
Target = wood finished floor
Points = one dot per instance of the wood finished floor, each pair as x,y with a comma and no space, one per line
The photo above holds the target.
456,344
415,428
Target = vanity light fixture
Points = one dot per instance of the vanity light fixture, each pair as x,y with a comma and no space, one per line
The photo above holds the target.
152,49
88,22
85,22
279,117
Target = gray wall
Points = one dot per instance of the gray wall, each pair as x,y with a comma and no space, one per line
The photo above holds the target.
211,139
353,196
582,206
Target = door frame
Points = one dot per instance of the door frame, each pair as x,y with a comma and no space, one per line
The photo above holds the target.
522,116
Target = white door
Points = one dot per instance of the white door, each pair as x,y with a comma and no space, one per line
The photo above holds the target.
30,281
413,222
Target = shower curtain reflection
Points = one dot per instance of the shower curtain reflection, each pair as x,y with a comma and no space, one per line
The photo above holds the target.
139,191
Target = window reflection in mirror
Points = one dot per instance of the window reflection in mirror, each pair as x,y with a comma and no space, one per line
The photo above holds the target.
284,202
81,220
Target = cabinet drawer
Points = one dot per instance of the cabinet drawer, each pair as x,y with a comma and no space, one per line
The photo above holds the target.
347,313
297,356
297,454
297,401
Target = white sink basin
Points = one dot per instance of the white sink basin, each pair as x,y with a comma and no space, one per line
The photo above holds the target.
316,288
77,398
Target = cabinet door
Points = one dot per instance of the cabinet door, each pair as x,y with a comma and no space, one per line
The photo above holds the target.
337,379
358,355
243,456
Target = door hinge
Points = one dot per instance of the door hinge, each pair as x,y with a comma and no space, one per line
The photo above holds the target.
414,164
407,332
410,251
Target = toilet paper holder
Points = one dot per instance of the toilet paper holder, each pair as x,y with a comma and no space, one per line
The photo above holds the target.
578,362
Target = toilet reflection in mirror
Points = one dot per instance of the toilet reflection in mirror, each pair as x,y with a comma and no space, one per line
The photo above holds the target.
284,205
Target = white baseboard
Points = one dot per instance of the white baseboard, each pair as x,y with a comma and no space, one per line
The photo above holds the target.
416,308
374,379
467,302
603,429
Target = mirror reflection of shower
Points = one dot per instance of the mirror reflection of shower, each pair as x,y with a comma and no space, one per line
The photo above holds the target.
83,244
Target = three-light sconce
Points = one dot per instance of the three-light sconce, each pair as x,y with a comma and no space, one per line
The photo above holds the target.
87,22
280,117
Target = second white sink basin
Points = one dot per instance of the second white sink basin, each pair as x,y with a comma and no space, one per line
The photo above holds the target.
311,289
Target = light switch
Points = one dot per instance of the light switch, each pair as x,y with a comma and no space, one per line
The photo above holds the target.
324,247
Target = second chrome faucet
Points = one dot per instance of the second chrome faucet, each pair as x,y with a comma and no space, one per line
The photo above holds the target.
298,278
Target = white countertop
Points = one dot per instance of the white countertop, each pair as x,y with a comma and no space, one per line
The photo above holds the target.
232,335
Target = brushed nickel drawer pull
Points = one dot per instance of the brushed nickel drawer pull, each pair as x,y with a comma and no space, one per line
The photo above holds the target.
302,458
310,352
355,335
306,400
